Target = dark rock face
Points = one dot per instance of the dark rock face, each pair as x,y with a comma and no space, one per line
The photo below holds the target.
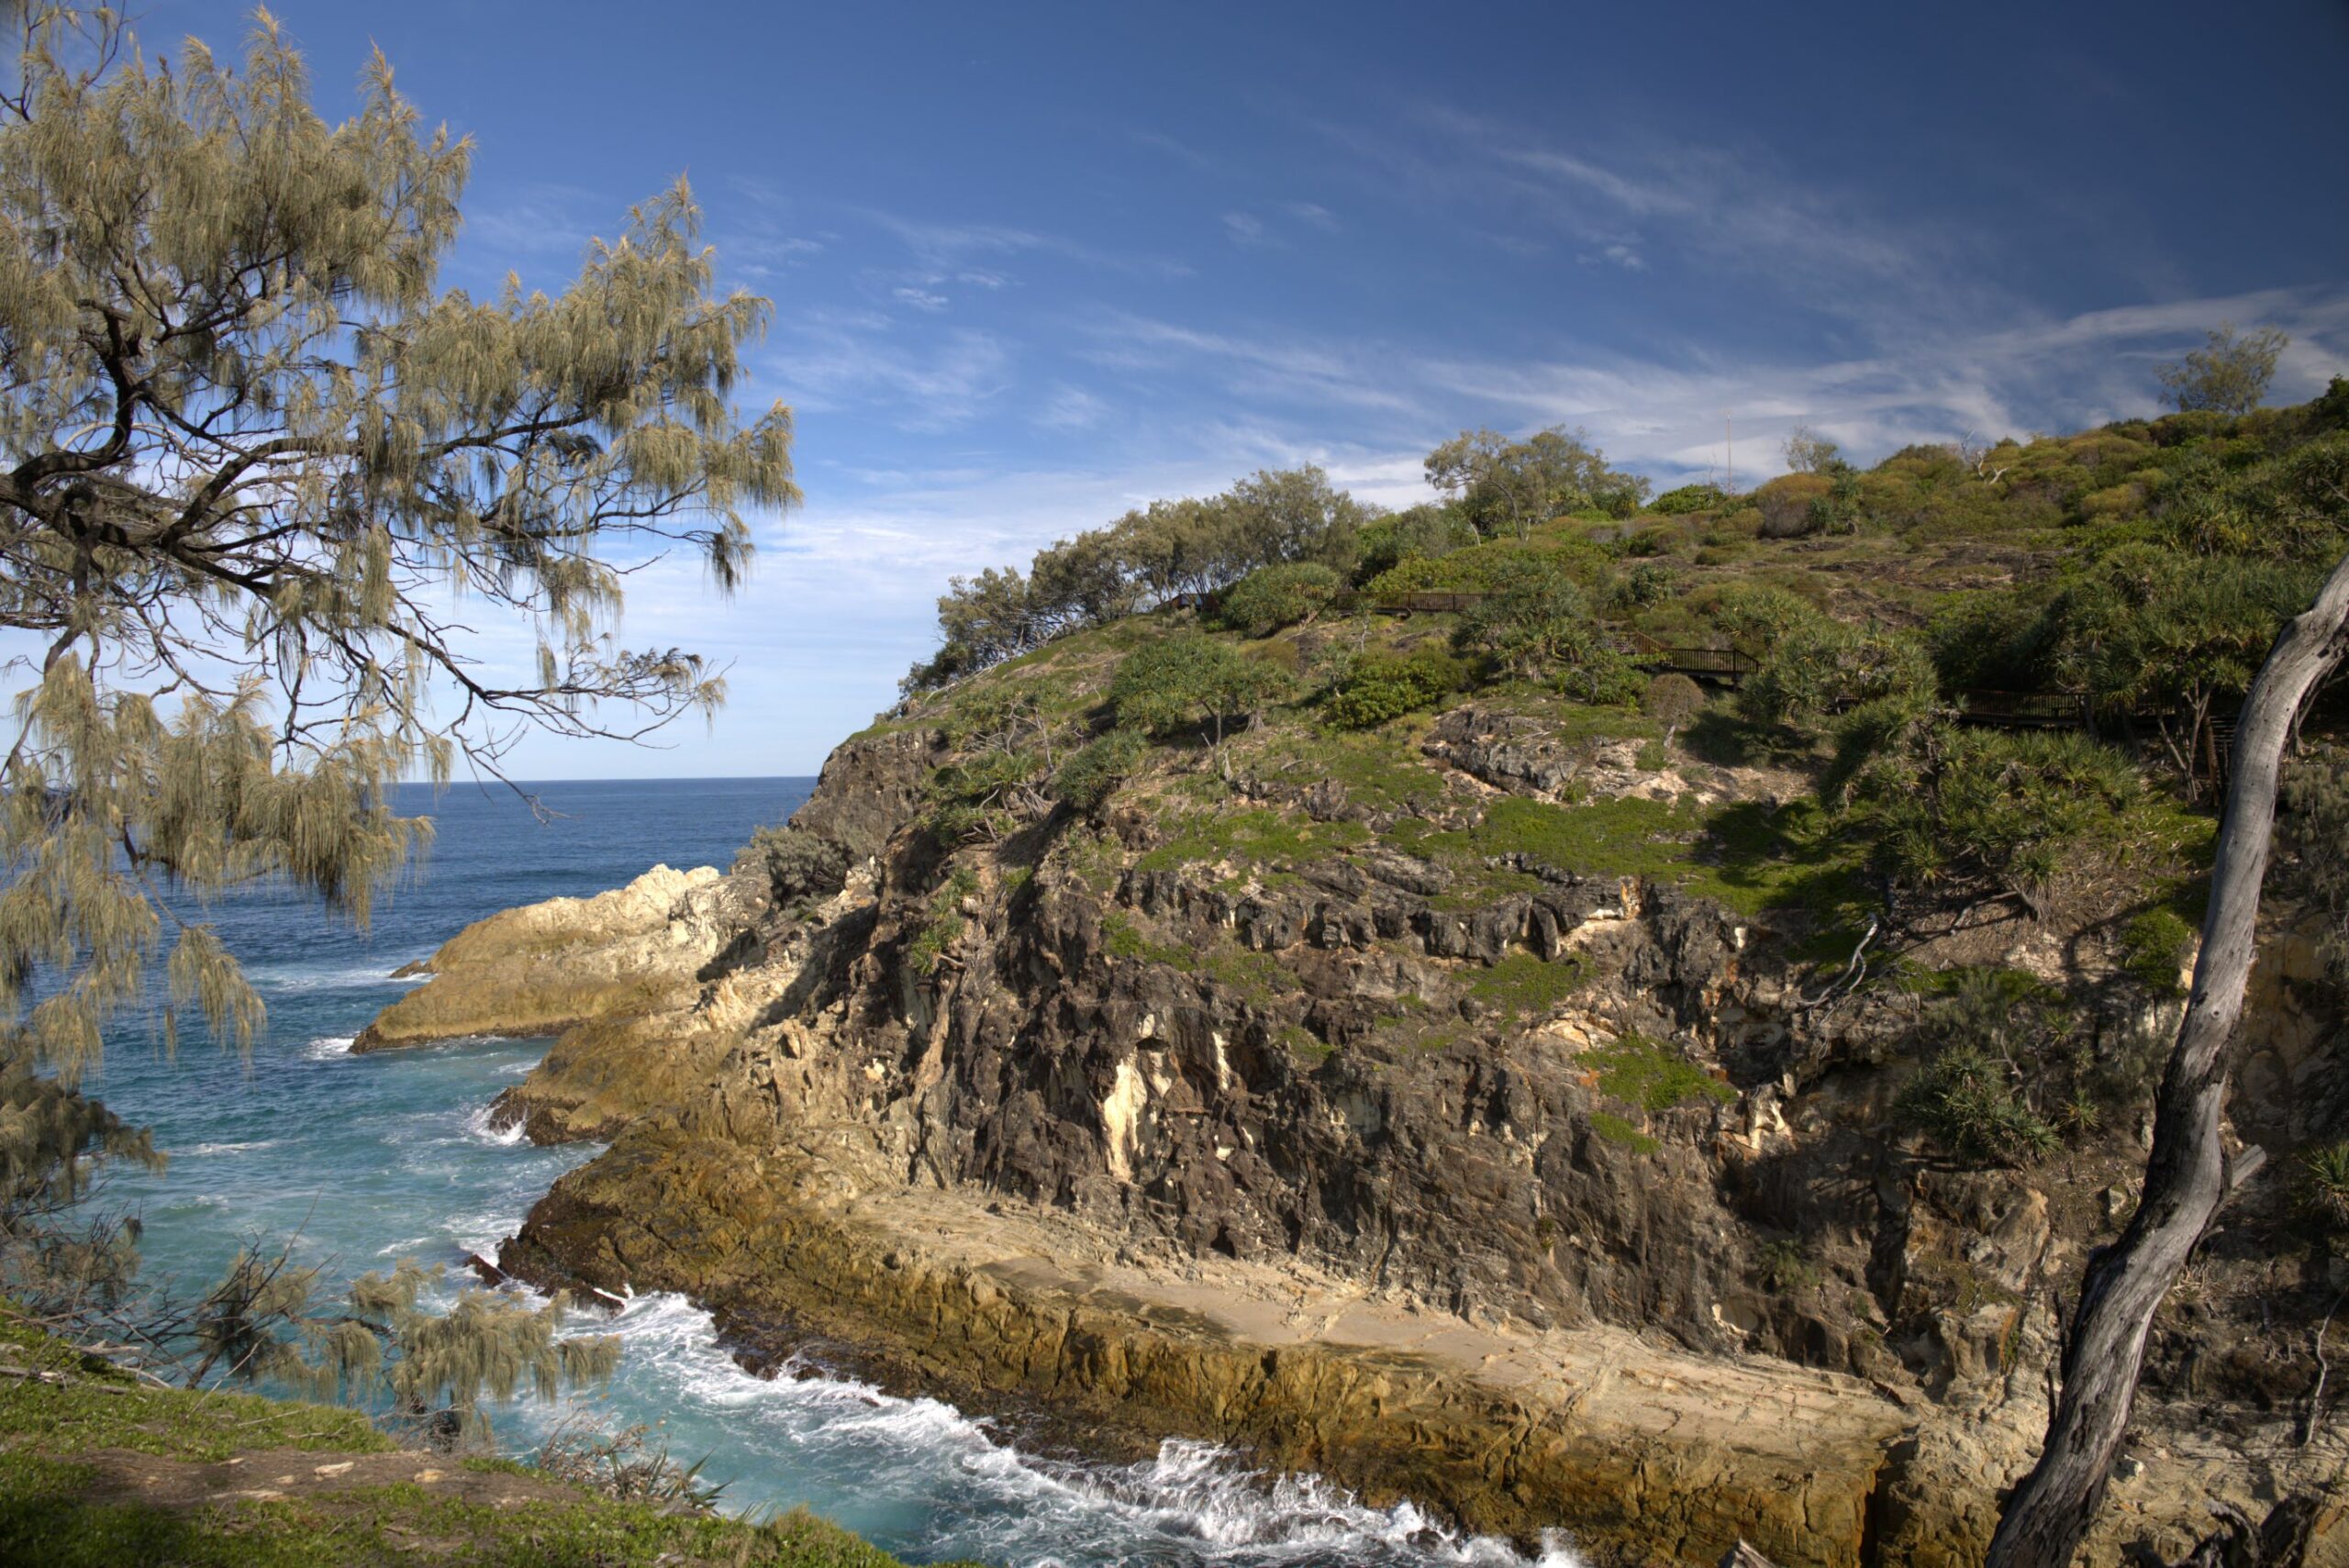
1504,749
1237,1070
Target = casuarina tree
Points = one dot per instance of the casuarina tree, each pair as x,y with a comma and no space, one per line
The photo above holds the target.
270,498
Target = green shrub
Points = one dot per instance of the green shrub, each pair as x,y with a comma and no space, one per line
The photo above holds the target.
1376,686
2324,1185
1786,1268
800,867
1484,568
1985,810
1998,641
973,799
1591,672
1190,682
2153,946
1649,583
1532,616
2313,831
1425,530
2009,1064
1965,1101
944,921
1793,505
1817,667
1672,699
1274,596
1093,772
1752,615
1690,499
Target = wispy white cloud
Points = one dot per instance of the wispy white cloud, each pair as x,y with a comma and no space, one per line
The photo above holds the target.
1291,370
1633,201
1070,408
1245,228
832,359
920,299
2059,372
1664,412
1182,152
950,246
1272,226
539,221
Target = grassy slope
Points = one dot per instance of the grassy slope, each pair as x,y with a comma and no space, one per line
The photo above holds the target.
81,1460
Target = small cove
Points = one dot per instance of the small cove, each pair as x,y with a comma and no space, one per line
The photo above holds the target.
373,1158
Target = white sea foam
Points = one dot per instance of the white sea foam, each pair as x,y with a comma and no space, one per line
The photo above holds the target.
299,976
480,1127
326,1048
228,1148
482,1232
1192,1502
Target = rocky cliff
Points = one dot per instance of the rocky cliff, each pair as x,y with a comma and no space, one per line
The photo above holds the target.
1483,1111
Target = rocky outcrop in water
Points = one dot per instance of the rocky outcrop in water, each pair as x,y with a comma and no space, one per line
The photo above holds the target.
545,968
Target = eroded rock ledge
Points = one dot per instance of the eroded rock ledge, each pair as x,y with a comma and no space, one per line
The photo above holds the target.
1635,1445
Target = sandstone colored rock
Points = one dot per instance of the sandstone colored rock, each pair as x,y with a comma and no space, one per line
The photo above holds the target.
539,968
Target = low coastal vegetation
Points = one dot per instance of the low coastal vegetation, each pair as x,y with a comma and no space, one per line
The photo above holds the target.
100,1468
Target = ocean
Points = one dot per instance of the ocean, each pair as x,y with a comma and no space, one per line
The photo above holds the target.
369,1158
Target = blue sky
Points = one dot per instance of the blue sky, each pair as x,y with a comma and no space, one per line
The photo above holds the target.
1033,265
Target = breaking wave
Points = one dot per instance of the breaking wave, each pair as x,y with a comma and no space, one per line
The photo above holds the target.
1192,1504
479,1126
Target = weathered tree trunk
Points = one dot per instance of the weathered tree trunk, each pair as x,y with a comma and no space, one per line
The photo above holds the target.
2186,1174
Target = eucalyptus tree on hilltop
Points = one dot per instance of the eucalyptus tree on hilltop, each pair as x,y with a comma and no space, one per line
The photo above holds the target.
1511,486
2229,375
282,520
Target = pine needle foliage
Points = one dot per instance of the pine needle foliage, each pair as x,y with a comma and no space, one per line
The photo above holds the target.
260,478
263,1323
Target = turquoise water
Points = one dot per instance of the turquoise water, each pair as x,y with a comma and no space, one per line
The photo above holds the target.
372,1158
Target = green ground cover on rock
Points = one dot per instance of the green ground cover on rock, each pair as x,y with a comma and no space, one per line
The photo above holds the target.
1256,836
1748,857
100,1407
66,1446
1653,1077
47,1517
